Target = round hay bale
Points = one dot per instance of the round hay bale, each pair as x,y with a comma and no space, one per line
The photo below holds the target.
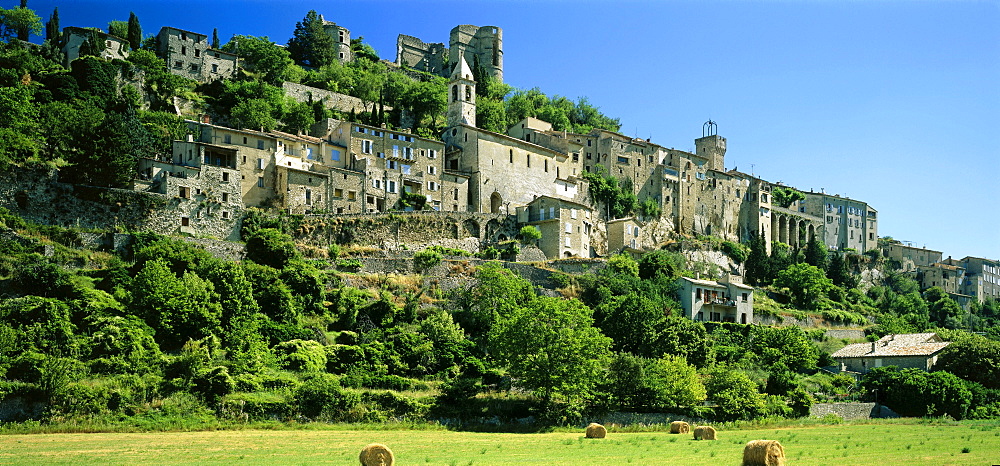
376,454
763,453
595,430
679,427
704,433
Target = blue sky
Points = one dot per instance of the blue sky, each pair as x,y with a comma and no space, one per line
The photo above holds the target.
893,102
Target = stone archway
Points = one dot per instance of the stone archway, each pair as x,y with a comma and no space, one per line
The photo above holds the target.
782,229
470,229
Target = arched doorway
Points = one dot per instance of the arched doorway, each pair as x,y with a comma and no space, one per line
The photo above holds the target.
496,202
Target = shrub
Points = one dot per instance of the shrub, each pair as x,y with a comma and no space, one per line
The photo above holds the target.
352,265
446,251
736,251
529,234
321,397
301,355
426,259
490,253
271,247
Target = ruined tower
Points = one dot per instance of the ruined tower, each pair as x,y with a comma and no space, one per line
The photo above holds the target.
462,95
478,44
711,146
341,38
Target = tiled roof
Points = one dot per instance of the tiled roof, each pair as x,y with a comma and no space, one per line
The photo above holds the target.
913,344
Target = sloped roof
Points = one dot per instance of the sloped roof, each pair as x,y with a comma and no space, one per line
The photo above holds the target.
911,344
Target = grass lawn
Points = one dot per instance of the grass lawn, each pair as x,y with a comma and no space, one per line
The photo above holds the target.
915,443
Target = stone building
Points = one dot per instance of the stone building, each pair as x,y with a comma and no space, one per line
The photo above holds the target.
73,37
728,300
982,277
912,350
478,45
566,226
391,163
847,223
624,233
206,189
189,54
910,257
341,38
950,278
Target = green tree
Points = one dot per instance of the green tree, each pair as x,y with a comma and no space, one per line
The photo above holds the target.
264,58
758,264
498,293
52,29
816,253
134,32
675,383
787,347
271,247
622,263
215,38
310,45
240,316
807,284
426,99
785,197
943,310
361,49
178,309
736,395
551,347
19,139
19,23
976,359
838,272
299,116
118,29
529,234
254,114
660,263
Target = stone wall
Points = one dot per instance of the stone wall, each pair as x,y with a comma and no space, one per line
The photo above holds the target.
39,197
852,410
332,100
406,230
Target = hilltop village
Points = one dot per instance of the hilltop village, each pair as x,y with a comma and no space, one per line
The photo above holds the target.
255,232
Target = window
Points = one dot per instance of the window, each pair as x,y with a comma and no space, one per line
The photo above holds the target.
185,221
567,242
260,181
395,151
512,156
335,155
184,50
528,159
215,68
392,186
184,36
225,177
569,228
185,192
228,139
391,164
405,169
432,170
432,186
366,146
194,67
552,212
260,164
408,153
546,165
178,64
197,53
572,213
456,197
338,193
380,155
225,197
352,195
432,154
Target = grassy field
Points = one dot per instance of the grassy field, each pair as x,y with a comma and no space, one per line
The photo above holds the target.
915,443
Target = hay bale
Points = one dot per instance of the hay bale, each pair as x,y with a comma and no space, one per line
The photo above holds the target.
679,427
595,430
376,454
763,453
704,433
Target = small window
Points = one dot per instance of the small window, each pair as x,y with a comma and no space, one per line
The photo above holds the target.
184,50
335,155
225,197
185,192
228,139
215,68
225,177
260,181
225,214
244,140
185,221
197,53
260,144
338,193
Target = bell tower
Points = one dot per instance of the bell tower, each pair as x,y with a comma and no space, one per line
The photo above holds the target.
462,95
711,146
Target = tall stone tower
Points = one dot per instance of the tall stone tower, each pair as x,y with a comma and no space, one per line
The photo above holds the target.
478,44
711,146
341,38
462,95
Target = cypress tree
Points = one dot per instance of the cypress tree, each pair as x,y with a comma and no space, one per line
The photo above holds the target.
310,44
816,253
758,264
23,30
52,26
134,31
215,38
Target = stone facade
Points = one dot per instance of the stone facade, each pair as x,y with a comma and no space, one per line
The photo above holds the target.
333,100
910,257
713,301
948,277
916,350
73,37
565,226
189,54
624,233
479,45
39,197
982,277
341,39
847,223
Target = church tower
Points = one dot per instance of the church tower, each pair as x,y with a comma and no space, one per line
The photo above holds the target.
462,95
